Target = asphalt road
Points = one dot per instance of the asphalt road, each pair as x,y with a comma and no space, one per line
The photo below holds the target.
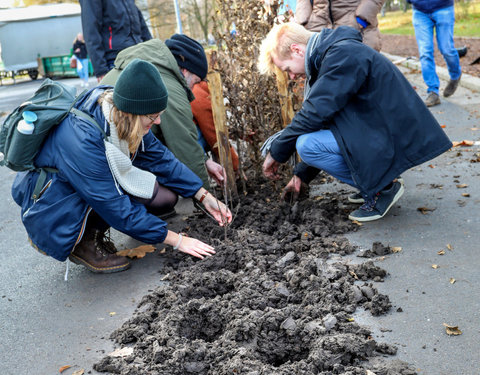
47,322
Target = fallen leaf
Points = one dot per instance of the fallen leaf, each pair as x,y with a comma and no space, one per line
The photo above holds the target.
354,275
435,266
63,368
425,210
123,352
350,319
441,252
463,143
462,186
452,330
474,129
396,249
465,195
79,372
370,373
449,247
357,222
443,126
113,313
452,280
138,252
431,166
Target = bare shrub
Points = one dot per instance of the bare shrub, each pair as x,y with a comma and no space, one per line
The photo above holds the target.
253,110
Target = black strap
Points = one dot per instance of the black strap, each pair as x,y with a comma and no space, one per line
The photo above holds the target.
88,118
43,171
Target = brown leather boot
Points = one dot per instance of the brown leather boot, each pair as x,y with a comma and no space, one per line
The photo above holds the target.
97,253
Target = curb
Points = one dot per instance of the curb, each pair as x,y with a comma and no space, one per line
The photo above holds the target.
468,81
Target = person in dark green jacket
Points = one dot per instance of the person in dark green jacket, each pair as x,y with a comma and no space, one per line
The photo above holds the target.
361,121
182,63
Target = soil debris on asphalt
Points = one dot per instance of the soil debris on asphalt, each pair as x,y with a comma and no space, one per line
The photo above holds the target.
271,301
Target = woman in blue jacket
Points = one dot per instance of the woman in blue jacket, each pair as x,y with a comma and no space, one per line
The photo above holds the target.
123,179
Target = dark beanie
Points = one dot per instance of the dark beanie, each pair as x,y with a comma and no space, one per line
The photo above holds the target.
189,54
140,89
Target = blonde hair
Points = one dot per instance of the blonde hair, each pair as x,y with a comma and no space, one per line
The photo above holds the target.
129,126
277,44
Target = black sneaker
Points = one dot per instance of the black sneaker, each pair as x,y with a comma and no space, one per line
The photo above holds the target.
377,207
358,197
451,87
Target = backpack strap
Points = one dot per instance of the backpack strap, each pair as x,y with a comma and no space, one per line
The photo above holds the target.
41,180
43,171
88,118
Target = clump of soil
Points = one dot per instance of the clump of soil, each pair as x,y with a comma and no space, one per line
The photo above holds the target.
269,302
378,249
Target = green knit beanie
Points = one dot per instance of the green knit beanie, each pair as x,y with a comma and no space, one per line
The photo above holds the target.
140,89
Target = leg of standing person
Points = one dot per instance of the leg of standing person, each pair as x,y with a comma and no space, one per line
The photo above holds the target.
444,23
85,71
424,25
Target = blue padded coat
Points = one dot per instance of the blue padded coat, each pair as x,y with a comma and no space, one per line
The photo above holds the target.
379,122
55,221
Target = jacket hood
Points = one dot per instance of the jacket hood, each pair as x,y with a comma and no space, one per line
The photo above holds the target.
320,43
154,51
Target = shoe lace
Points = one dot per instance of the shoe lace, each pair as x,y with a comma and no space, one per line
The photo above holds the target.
369,204
104,242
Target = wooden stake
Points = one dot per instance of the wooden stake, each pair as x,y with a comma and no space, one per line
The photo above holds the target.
285,97
220,121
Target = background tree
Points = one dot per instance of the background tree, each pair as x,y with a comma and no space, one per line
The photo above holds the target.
200,13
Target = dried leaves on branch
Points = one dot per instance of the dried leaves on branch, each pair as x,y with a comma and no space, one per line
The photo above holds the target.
252,101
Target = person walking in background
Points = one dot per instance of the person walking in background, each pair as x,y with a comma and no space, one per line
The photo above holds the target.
80,52
315,15
108,27
439,15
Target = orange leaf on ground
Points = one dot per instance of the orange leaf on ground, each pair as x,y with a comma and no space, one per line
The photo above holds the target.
443,126
138,252
431,166
466,195
63,368
463,143
462,186
425,210
441,252
452,330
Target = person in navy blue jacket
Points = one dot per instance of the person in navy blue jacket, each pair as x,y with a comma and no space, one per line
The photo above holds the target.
108,27
438,15
361,121
123,181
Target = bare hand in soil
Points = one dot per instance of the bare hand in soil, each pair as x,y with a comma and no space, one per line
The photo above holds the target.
218,210
292,190
195,248
216,171
270,168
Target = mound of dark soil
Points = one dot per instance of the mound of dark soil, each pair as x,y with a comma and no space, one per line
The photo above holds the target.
269,302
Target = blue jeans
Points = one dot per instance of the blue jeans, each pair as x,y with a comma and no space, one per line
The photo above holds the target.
82,69
442,21
320,150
